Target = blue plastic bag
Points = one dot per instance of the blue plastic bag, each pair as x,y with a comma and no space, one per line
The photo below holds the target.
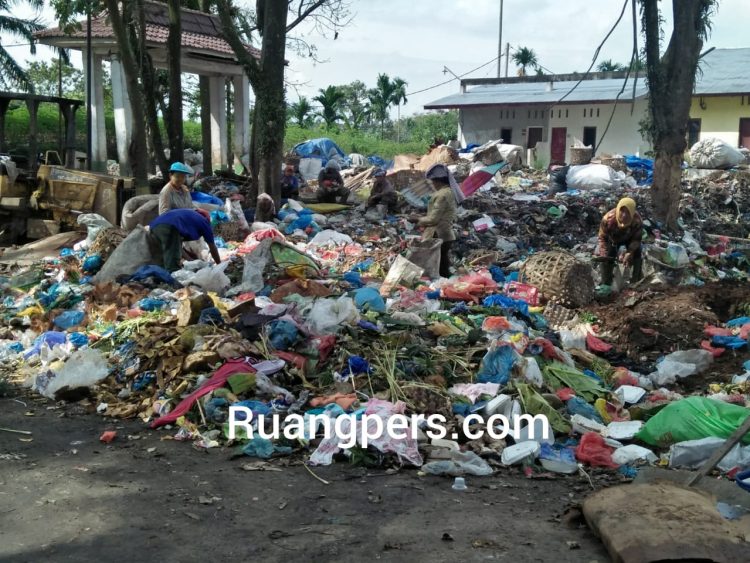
283,335
369,299
356,365
257,407
497,274
151,271
738,322
69,319
51,339
211,316
497,365
577,405
78,339
151,304
200,197
301,223
363,266
92,264
731,342
506,302
353,278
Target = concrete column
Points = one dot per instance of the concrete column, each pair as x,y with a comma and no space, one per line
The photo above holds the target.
69,114
123,116
98,131
241,119
4,103
218,122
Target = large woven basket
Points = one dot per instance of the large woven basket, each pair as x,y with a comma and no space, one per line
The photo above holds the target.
580,155
561,277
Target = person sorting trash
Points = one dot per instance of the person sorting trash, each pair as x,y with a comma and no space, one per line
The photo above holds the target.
176,194
441,214
331,184
620,227
289,183
174,227
382,192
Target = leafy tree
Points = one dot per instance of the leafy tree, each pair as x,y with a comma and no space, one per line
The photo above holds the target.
610,66
355,108
386,93
44,75
301,112
11,73
671,79
525,58
330,100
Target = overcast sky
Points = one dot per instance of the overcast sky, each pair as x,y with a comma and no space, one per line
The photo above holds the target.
416,39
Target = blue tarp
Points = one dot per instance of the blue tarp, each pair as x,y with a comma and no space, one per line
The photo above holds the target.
322,148
645,165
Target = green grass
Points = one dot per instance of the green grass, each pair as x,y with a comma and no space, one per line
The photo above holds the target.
354,141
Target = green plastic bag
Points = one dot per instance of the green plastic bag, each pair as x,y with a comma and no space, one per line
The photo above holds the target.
534,403
692,419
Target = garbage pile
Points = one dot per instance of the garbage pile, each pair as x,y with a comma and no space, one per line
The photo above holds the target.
328,311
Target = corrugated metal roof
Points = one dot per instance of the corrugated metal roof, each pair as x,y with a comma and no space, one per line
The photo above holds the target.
722,71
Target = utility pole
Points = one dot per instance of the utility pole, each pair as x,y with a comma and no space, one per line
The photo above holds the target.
507,58
500,43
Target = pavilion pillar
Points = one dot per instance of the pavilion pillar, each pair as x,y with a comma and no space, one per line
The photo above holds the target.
241,135
69,115
98,130
33,107
123,116
218,122
4,103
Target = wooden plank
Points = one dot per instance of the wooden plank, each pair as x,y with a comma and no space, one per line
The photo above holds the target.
718,455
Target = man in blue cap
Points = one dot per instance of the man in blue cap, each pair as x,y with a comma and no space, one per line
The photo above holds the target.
174,227
382,192
176,195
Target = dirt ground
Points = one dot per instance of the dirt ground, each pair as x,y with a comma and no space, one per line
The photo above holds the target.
64,496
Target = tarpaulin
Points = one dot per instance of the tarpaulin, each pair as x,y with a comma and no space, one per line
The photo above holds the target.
322,148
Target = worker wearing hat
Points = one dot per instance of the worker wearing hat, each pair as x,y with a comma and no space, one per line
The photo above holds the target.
176,195
621,227
176,226
382,192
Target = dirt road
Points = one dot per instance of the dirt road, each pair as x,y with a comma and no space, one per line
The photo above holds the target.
64,496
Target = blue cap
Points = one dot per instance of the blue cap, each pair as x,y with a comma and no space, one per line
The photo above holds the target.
180,167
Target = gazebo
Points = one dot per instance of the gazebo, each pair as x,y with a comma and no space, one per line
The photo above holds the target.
205,52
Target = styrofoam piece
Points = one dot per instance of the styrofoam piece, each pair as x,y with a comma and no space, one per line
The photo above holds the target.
518,452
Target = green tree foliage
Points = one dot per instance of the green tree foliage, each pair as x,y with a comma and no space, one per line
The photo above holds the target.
386,93
301,112
330,100
44,75
12,76
355,109
610,66
525,58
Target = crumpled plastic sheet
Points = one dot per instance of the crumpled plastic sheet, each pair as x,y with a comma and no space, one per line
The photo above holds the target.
405,449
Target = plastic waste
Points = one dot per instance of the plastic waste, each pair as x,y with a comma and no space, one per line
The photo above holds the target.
369,299
135,251
624,430
629,393
282,334
691,454
48,339
92,264
330,237
328,316
211,278
69,319
460,463
497,365
632,453
94,223
426,255
678,365
531,371
540,431
151,271
594,451
558,459
459,484
577,405
84,368
691,419
518,452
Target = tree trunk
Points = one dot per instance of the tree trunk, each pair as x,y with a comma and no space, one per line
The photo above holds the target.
254,160
138,149
206,123
671,79
174,47
149,91
270,100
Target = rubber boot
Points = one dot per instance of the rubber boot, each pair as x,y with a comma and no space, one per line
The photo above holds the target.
607,272
637,269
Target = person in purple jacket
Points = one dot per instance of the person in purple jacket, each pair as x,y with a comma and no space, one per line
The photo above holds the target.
174,227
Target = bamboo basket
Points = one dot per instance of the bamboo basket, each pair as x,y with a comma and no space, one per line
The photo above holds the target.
580,155
561,277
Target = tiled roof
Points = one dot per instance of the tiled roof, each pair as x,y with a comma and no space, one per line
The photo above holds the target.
199,30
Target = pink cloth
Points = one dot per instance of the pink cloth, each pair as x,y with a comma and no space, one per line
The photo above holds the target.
218,379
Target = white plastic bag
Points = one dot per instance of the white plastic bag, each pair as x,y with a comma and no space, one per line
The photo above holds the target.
715,154
460,463
233,209
83,368
94,224
328,316
211,278
330,237
574,338
531,371
631,453
678,365
591,177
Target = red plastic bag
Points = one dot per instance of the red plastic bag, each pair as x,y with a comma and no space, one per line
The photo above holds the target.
565,394
595,452
715,352
717,331
524,292
595,344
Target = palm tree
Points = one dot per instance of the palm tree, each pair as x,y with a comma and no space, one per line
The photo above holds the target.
610,66
330,100
639,65
11,73
399,95
386,93
525,57
300,111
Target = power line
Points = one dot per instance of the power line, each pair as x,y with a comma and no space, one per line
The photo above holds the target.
452,79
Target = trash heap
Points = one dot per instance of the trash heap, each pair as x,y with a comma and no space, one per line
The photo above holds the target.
329,311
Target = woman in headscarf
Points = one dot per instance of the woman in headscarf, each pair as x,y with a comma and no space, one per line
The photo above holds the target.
441,214
176,195
331,184
383,192
621,226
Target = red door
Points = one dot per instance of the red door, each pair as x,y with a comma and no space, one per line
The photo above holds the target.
745,132
557,146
